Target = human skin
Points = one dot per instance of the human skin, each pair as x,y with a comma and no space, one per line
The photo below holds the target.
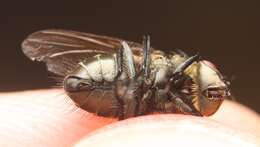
49,118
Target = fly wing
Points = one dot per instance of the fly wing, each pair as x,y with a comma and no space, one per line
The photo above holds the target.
62,50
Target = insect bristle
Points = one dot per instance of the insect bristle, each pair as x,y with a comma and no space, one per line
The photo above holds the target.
55,80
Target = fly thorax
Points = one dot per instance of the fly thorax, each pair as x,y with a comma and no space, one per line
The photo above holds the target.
161,69
177,59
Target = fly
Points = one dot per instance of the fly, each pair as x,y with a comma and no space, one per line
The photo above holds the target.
112,77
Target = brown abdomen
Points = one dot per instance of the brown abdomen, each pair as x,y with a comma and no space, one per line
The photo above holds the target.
99,98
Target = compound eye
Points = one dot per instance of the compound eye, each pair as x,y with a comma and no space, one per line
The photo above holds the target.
209,64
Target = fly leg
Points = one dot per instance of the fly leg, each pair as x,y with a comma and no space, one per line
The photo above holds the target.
176,82
178,104
145,101
119,84
178,76
126,89
147,57
131,98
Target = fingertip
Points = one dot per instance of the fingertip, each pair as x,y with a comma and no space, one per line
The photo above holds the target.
56,115
46,117
167,130
238,116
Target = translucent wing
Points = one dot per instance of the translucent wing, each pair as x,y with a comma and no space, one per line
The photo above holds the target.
63,49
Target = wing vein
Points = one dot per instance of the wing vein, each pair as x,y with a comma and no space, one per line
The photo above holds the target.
80,37
75,51
41,41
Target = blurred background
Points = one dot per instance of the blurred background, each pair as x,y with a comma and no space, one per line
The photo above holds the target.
224,32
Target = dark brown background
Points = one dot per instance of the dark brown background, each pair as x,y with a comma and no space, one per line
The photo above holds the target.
224,32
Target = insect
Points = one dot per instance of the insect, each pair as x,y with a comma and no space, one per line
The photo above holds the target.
116,78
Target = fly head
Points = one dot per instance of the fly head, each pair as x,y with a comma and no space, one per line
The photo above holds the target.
209,89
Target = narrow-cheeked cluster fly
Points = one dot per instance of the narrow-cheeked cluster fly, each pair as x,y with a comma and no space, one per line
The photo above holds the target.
116,78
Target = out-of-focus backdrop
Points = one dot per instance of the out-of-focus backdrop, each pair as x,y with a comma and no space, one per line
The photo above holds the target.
224,32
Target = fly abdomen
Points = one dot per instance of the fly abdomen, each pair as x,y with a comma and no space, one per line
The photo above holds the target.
91,85
99,68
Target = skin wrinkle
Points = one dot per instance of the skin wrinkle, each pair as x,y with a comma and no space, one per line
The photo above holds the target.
53,120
